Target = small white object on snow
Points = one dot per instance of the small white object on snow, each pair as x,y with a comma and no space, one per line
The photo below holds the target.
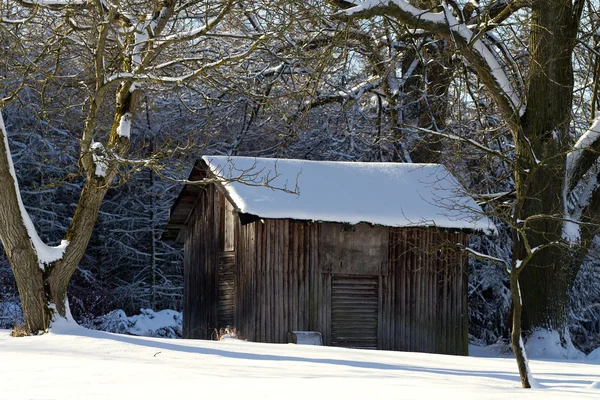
311,338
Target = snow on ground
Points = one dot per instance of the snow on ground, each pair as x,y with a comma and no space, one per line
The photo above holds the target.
75,363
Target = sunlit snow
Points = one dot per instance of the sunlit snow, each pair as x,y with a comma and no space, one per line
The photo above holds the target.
74,363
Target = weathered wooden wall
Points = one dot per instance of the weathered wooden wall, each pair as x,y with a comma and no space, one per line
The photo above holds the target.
202,250
373,287
425,295
287,270
278,280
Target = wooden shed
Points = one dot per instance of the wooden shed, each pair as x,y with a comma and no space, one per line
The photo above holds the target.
364,253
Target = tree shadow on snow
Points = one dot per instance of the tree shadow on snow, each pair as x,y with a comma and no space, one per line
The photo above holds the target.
174,346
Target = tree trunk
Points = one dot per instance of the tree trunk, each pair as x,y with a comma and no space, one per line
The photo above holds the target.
541,146
516,338
30,283
426,91
43,288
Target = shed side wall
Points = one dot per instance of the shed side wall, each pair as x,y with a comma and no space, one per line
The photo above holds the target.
426,300
279,286
203,242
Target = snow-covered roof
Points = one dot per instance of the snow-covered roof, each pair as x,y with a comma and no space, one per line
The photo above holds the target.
389,194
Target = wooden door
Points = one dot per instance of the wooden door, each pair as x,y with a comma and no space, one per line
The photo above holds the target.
354,311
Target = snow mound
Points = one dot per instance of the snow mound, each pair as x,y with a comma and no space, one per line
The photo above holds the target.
547,344
594,385
164,323
594,355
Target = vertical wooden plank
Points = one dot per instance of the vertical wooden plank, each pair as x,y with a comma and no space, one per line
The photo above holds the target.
328,278
457,278
391,278
282,332
424,282
310,283
295,281
445,301
242,311
380,311
401,333
302,308
286,284
452,289
317,298
457,299
432,300
429,309
277,265
252,321
261,337
325,283
409,292
426,251
465,307
270,278
451,307
315,294
414,265
424,256
388,294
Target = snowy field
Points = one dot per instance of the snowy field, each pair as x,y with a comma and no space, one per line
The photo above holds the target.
75,363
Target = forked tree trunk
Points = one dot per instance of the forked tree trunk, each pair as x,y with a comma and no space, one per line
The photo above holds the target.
43,288
43,292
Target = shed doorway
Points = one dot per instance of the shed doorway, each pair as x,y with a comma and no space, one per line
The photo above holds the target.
354,311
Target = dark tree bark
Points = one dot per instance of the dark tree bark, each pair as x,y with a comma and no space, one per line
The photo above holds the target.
43,287
542,144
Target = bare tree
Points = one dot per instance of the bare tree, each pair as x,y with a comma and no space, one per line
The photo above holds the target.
111,49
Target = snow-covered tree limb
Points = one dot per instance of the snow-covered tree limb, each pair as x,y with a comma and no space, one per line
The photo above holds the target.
468,45
584,154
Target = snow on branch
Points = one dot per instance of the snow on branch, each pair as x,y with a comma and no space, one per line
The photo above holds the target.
583,155
468,141
53,4
197,32
446,25
45,254
342,96
123,76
